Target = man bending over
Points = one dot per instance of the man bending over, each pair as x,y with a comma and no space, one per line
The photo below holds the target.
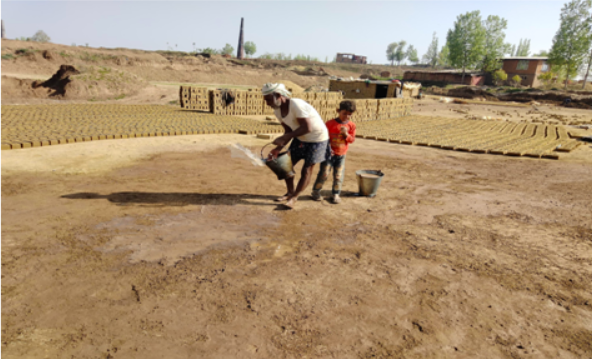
303,125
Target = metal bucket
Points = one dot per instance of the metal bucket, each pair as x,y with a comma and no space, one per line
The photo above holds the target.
281,166
368,182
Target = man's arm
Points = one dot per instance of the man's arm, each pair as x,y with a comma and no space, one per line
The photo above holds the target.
300,131
276,151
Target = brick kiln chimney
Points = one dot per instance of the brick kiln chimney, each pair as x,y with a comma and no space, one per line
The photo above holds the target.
240,53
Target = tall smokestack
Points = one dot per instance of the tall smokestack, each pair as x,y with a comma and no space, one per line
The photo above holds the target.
240,53
3,31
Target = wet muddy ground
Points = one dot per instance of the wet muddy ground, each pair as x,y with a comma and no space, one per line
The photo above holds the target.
184,254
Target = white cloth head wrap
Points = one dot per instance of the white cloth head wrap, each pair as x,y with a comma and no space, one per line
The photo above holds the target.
275,88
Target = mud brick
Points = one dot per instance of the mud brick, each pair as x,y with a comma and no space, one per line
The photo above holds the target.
6,146
550,156
15,145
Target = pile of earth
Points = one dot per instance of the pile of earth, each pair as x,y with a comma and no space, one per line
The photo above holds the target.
582,100
558,97
71,83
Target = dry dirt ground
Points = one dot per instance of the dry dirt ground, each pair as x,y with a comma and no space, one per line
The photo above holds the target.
168,247
543,113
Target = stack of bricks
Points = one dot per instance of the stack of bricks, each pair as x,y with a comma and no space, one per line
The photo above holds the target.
251,102
194,98
392,108
324,102
382,109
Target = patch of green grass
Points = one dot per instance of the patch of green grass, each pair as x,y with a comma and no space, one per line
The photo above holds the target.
120,97
174,102
23,52
514,90
7,57
64,54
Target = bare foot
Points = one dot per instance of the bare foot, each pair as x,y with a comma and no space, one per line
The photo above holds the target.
283,198
291,202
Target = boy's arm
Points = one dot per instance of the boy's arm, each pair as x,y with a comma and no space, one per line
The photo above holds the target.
351,136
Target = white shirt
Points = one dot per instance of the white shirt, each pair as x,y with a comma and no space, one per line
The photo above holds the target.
302,109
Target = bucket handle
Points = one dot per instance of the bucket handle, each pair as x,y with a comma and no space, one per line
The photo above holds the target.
264,148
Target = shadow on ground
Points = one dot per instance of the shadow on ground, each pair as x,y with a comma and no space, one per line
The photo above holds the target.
177,199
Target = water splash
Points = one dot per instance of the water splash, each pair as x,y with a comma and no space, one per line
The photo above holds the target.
239,151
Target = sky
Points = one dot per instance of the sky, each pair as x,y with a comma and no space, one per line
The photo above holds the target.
316,28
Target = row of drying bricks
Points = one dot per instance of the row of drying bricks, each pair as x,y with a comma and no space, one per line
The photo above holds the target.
17,144
496,138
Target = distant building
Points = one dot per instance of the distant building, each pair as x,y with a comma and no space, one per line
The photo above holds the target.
365,88
528,68
350,59
472,78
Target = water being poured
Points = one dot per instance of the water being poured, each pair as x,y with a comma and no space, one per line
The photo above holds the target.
239,151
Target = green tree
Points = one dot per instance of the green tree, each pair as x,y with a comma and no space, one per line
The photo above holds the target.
40,36
523,49
390,52
587,70
499,77
227,50
512,51
444,56
466,41
547,77
431,56
281,56
208,50
542,53
250,48
400,53
495,48
412,54
572,41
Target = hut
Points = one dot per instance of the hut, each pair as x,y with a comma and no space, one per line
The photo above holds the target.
366,88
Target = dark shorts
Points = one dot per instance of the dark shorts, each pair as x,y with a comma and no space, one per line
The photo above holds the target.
310,152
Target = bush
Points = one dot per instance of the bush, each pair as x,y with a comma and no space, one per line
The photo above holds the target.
499,77
516,80
40,36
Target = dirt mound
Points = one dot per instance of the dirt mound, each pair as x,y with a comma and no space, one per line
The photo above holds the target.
69,83
13,88
471,93
567,99
289,84
58,81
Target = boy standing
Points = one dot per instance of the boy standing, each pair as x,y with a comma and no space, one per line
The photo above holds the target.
342,132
